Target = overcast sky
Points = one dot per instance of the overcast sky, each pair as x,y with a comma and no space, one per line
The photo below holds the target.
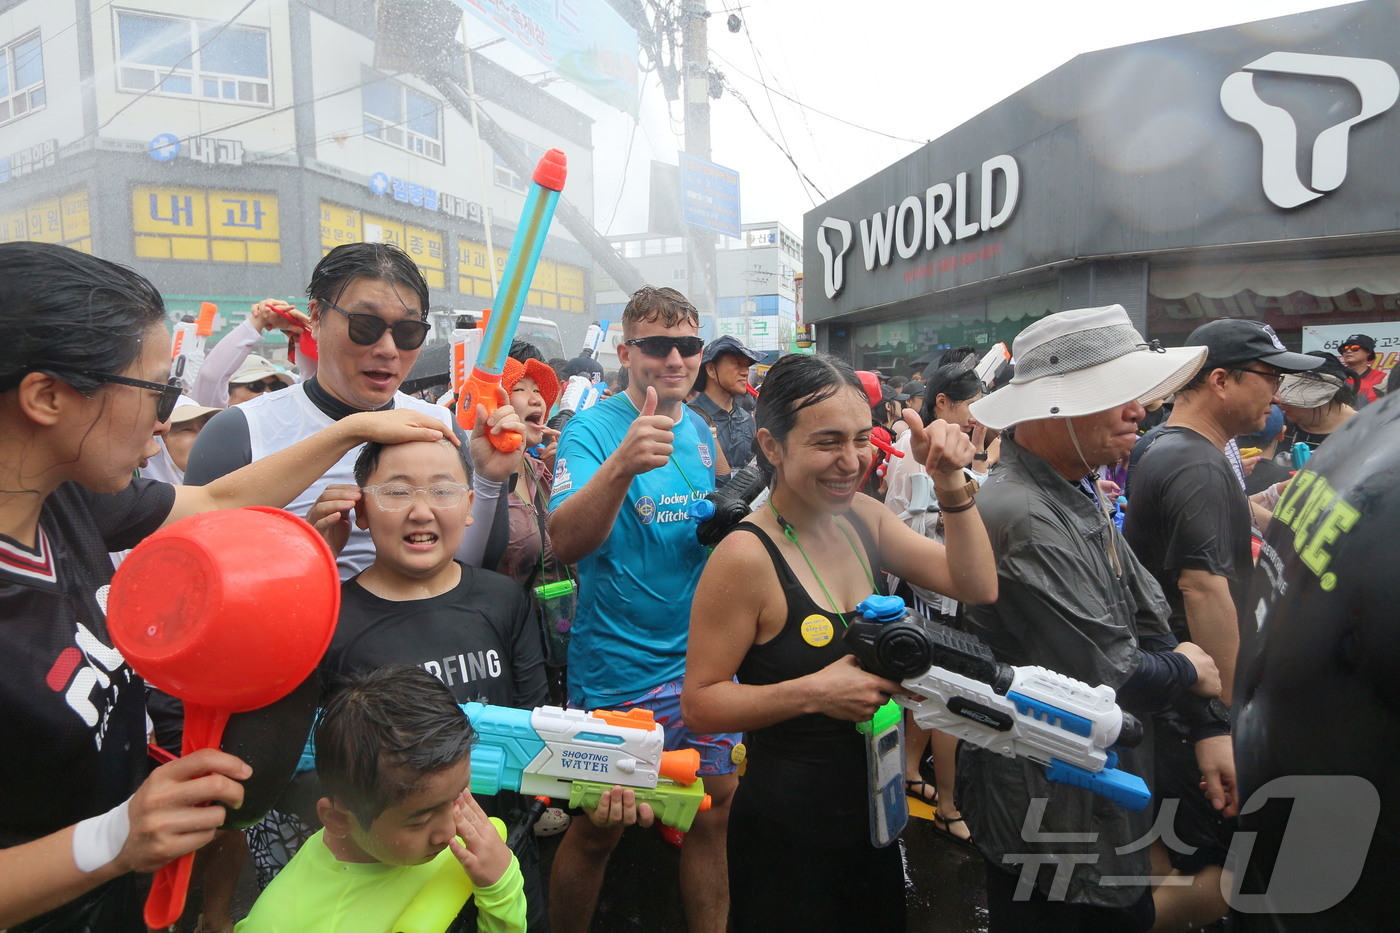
902,71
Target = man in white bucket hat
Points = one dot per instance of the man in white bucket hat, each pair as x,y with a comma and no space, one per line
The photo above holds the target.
1075,600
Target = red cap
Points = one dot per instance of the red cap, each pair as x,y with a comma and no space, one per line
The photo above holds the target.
550,173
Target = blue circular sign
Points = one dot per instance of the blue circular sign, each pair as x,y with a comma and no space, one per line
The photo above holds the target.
164,147
379,183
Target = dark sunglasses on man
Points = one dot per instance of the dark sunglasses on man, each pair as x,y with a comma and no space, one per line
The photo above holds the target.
660,347
271,384
366,329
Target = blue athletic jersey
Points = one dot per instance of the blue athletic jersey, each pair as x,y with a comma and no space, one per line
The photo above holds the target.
633,616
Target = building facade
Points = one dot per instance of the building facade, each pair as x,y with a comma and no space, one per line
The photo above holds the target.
756,277
222,148
1239,172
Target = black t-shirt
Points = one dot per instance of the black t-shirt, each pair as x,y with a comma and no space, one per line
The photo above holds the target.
1188,512
72,711
478,638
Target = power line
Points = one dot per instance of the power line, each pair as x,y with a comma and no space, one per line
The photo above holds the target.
829,116
764,130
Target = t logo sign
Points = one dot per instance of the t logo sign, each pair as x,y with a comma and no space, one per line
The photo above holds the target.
1374,80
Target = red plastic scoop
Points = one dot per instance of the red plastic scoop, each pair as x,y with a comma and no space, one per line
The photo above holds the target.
201,612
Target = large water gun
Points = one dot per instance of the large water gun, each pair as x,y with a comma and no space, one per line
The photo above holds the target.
187,344
1025,712
480,387
580,393
577,756
724,508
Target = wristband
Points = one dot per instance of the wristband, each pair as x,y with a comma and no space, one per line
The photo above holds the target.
952,501
980,456
98,840
958,508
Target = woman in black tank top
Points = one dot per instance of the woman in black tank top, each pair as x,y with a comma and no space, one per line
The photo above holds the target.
770,609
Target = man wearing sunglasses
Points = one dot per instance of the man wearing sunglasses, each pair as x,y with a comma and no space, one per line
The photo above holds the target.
256,376
627,468
1190,523
1357,353
368,314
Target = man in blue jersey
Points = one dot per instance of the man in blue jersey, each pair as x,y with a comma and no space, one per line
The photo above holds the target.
627,469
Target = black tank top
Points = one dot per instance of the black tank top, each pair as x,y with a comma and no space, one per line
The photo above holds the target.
812,756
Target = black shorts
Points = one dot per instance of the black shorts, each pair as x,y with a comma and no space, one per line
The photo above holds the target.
1205,835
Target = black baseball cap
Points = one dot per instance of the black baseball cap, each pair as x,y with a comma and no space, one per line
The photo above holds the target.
728,344
1360,340
1230,342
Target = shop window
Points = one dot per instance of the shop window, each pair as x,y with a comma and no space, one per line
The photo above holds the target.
400,116
182,57
21,78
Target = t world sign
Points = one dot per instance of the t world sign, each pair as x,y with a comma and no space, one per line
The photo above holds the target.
944,213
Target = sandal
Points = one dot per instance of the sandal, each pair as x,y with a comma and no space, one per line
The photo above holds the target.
916,789
941,824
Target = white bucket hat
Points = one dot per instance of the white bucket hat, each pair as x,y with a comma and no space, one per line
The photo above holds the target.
1309,390
1083,362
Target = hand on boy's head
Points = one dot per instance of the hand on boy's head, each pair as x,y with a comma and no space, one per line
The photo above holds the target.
478,846
618,807
330,514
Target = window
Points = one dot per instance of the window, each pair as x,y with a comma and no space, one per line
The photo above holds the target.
507,178
21,78
400,116
183,57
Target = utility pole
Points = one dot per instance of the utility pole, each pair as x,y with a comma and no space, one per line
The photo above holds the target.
695,60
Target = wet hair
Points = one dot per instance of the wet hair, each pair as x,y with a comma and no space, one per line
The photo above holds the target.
524,351
368,460
965,356
379,732
795,382
63,311
378,261
666,305
953,380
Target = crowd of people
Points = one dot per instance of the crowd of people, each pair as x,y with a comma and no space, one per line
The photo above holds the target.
990,511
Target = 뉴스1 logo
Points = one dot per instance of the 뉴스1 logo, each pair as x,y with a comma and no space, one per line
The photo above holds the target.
1373,79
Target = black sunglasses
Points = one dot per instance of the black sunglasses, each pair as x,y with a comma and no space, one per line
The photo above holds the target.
366,329
1275,378
169,391
261,386
661,347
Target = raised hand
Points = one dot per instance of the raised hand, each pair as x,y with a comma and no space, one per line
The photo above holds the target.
650,439
480,849
941,447
330,514
493,464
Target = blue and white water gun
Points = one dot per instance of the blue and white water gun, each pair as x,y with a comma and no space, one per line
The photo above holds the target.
1025,712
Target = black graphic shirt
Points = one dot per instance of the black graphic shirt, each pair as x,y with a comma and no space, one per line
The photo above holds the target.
72,712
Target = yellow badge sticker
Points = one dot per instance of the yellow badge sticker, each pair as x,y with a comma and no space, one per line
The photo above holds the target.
738,753
817,630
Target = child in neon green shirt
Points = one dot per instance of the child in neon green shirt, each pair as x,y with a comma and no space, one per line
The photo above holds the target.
393,752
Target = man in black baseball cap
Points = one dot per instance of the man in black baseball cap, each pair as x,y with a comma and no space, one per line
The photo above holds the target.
1357,353
1191,524
724,376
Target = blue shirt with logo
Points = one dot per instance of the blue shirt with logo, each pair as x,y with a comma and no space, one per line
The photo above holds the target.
633,616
